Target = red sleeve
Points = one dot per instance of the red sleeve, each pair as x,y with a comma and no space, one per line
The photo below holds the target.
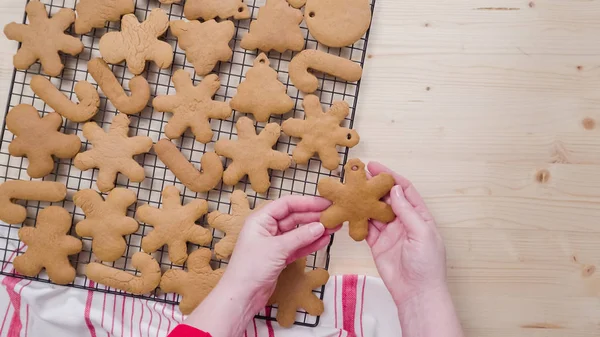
183,330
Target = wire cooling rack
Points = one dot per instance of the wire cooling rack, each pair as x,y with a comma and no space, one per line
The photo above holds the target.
298,179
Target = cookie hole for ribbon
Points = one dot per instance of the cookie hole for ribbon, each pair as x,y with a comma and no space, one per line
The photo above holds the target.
349,136
311,14
355,168
240,9
261,61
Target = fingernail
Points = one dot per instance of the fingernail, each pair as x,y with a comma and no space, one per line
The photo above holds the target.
398,191
316,229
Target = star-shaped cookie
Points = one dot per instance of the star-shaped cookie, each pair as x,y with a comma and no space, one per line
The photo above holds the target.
174,225
192,106
252,155
112,152
43,38
320,132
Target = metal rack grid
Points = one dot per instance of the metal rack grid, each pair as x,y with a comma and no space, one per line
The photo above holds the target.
298,179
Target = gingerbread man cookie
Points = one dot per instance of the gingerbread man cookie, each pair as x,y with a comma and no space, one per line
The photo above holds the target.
205,43
277,27
231,225
252,155
89,100
192,106
106,80
38,139
138,42
49,246
195,284
198,181
294,290
321,61
95,13
43,38
106,222
337,23
26,190
262,94
174,225
210,9
356,200
148,280
320,132
113,152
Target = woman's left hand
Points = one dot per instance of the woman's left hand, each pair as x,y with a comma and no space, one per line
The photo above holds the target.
268,242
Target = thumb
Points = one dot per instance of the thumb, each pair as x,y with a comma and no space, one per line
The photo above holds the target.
410,218
300,237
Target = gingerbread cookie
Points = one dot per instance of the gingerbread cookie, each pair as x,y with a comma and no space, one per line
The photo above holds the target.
49,246
106,80
106,222
89,100
330,64
96,13
192,106
277,27
297,3
320,132
337,23
174,225
252,155
195,284
43,38
26,190
112,152
356,200
138,42
148,280
198,181
294,290
38,139
231,225
262,94
205,43
210,9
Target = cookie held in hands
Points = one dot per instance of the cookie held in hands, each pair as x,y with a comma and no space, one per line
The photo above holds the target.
252,155
112,152
95,13
320,61
261,93
320,132
138,42
277,27
148,280
106,221
211,9
49,246
192,106
174,225
294,290
205,43
38,139
89,100
43,38
356,200
26,190
230,224
195,284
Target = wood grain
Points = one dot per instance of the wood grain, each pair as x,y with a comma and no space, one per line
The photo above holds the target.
492,109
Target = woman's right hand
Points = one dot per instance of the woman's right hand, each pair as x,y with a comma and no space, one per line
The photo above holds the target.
409,252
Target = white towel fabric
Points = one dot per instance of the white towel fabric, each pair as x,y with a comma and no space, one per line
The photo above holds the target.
355,306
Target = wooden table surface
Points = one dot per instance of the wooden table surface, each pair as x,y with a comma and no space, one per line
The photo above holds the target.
492,109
